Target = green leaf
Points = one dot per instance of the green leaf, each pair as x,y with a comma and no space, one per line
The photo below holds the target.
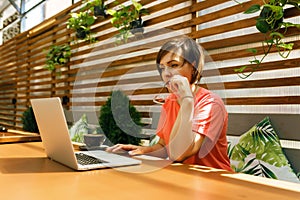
252,50
90,21
239,153
262,26
288,46
252,9
241,69
240,166
111,12
255,61
289,24
273,155
137,5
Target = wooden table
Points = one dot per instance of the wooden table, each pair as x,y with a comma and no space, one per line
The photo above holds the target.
26,173
12,136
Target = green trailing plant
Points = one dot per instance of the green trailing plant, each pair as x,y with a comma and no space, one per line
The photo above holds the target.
29,121
128,20
57,55
97,7
272,24
119,120
81,22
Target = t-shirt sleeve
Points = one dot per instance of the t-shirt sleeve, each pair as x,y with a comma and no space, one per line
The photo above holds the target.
209,116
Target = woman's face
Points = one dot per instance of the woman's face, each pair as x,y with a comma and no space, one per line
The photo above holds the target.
172,64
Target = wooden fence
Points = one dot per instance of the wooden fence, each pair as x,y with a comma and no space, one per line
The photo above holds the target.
97,69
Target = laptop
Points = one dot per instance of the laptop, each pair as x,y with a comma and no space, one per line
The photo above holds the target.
57,142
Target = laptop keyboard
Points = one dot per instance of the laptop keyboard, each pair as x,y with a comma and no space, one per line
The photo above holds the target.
84,159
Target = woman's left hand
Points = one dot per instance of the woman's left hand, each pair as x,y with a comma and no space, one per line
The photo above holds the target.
131,149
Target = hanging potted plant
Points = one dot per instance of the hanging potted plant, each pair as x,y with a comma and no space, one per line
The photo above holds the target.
97,7
81,22
137,24
57,55
269,22
128,20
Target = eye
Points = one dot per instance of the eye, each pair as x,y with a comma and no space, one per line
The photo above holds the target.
174,65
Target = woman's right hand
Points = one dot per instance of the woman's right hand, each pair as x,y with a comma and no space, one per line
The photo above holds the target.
180,86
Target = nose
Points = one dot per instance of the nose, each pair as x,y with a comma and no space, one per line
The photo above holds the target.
168,72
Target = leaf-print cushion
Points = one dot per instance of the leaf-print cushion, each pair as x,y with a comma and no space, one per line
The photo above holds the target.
79,128
258,152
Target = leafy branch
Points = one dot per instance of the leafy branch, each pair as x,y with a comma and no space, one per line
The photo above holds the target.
270,22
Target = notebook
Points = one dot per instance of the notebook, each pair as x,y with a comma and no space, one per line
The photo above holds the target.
58,146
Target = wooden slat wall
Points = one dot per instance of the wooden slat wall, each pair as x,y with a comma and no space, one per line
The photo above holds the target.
96,69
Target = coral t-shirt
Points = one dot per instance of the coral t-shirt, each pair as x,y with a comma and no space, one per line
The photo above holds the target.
210,120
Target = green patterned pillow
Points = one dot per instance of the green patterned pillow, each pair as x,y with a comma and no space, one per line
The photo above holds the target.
258,152
79,128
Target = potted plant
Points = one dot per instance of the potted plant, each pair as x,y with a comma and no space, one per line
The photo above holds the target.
137,24
128,20
119,120
270,22
97,7
81,23
57,55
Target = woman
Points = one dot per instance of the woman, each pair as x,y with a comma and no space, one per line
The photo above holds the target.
193,122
